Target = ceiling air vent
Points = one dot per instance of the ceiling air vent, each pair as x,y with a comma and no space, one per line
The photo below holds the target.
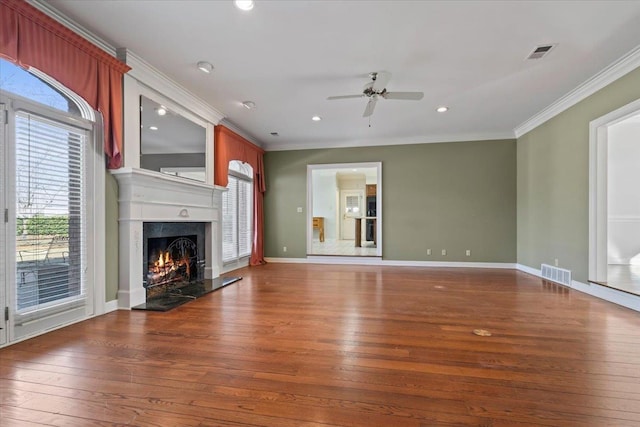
274,134
541,51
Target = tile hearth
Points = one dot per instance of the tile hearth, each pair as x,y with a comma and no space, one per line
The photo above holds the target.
185,294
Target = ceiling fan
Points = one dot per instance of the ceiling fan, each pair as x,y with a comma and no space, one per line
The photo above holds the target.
376,89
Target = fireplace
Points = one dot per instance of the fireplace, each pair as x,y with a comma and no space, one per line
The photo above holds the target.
159,206
173,257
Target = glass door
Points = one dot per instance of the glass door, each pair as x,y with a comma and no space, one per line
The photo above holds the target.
3,230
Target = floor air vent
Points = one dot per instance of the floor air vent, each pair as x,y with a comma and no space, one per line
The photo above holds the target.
555,274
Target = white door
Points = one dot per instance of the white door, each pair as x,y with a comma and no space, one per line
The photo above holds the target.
3,230
352,205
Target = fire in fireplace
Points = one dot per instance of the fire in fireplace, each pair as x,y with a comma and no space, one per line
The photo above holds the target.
173,261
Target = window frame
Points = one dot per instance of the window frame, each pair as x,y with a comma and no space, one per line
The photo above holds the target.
95,175
240,260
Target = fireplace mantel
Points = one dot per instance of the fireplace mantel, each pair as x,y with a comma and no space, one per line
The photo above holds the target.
148,196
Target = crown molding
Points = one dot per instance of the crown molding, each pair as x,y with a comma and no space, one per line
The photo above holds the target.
241,132
613,72
47,9
141,70
392,141
153,78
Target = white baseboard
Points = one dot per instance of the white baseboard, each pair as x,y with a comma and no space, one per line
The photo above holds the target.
619,261
530,270
453,264
286,260
603,292
339,260
110,306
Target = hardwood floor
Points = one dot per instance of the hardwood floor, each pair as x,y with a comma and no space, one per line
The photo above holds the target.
319,345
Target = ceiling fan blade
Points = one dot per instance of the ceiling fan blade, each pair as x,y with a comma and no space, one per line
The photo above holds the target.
415,96
382,78
368,111
344,97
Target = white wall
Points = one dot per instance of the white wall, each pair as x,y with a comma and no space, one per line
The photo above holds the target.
624,192
325,203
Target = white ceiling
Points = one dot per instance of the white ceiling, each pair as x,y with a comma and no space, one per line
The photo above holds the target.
289,56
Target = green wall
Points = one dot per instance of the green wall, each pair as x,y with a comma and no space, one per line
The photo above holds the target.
453,196
111,238
553,181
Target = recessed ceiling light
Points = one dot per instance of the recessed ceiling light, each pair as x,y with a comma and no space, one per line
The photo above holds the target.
442,109
153,127
205,67
244,4
316,118
249,105
161,111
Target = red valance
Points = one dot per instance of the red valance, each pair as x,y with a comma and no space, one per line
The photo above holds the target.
33,39
231,146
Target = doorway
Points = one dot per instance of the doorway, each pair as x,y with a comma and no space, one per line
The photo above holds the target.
614,210
342,201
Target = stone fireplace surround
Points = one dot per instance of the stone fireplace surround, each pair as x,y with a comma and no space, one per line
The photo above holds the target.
148,196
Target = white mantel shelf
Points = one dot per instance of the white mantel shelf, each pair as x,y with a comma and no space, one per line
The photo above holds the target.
148,196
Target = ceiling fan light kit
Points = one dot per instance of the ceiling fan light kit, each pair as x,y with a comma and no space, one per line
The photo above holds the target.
376,88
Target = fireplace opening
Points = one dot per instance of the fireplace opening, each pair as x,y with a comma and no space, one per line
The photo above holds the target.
173,260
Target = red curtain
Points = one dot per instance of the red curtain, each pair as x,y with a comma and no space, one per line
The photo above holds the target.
31,38
231,146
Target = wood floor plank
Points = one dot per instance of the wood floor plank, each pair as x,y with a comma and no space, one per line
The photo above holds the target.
316,345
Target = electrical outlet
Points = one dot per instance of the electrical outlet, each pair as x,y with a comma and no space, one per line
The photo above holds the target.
444,252
556,262
468,252
428,251
299,209
284,249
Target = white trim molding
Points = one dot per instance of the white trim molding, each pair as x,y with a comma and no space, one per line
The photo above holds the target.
110,306
47,9
241,132
603,292
286,260
432,139
151,77
598,183
613,72
355,260
624,218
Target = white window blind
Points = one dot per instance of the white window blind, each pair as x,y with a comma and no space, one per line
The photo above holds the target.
237,213
50,216
245,213
230,221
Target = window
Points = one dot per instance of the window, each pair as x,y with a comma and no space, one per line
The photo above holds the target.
237,213
50,212
48,186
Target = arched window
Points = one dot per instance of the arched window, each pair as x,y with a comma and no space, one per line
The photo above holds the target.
48,147
237,214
